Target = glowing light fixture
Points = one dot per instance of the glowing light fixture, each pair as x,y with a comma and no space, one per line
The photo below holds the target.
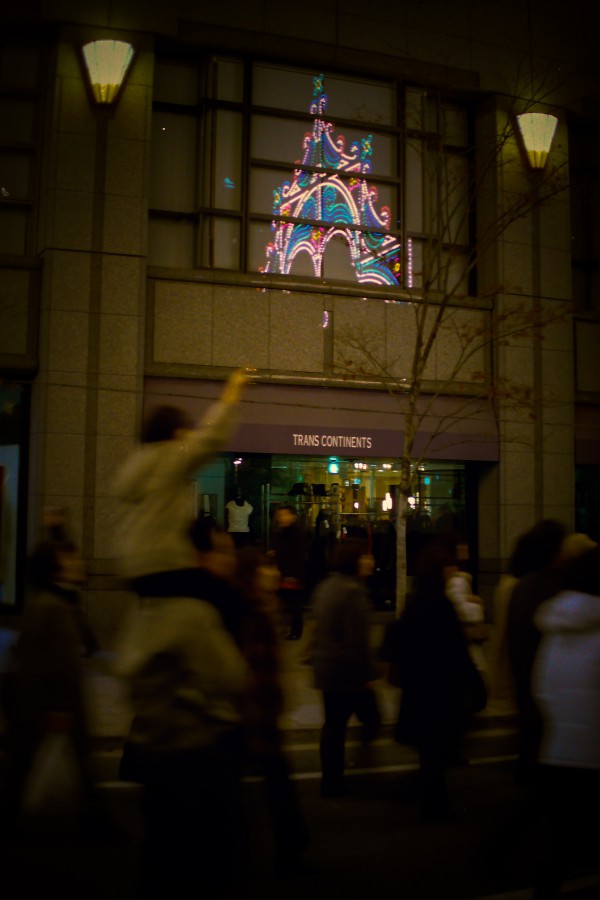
107,63
537,131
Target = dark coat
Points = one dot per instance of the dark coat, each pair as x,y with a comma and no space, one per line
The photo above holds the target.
428,650
289,544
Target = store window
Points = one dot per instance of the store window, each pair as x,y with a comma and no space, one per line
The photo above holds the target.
584,178
19,114
261,168
587,500
13,442
338,497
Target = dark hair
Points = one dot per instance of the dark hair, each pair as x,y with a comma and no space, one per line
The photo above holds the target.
44,563
347,554
202,531
436,556
161,424
537,548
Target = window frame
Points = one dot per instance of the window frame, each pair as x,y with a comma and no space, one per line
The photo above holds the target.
247,218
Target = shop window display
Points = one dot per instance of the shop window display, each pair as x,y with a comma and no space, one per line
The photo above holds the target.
337,498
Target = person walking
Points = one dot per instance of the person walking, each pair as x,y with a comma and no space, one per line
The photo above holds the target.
187,678
44,698
344,668
523,636
258,581
289,549
441,686
566,687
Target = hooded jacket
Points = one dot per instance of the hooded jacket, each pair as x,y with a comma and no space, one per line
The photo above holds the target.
154,487
566,679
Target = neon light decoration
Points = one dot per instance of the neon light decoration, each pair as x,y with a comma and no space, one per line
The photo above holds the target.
335,203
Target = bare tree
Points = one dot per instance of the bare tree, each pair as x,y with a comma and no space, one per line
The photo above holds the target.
443,310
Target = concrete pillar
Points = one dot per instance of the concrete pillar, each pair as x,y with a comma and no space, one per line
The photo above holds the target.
92,236
527,269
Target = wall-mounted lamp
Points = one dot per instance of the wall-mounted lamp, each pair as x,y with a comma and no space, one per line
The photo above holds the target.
537,131
107,63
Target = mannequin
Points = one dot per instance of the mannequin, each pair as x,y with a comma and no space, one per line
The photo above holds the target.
237,514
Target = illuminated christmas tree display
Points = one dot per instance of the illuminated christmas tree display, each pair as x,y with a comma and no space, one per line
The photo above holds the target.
330,189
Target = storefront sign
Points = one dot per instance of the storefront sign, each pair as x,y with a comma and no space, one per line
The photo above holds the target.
333,441
348,442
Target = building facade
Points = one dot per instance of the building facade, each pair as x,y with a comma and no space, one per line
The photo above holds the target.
283,188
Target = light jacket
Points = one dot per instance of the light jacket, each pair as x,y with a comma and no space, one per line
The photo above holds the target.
155,490
186,674
566,679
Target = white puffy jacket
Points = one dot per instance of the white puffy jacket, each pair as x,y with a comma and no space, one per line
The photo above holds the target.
566,679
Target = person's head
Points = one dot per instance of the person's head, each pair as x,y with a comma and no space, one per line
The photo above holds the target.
544,544
537,548
353,558
256,573
581,572
574,546
435,564
54,562
54,523
285,515
164,423
215,550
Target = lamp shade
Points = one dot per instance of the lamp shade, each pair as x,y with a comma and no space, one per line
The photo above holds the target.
107,63
537,131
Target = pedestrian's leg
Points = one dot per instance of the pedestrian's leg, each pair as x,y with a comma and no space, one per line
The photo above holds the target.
367,712
290,831
297,614
338,709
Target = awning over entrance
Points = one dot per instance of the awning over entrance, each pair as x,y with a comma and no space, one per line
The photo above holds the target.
332,421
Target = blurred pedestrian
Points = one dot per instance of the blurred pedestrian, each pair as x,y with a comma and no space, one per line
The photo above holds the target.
211,581
187,679
520,563
55,528
152,540
441,687
344,667
288,545
468,605
566,686
43,691
544,546
258,579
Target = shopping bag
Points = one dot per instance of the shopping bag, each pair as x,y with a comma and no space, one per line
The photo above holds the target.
53,796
